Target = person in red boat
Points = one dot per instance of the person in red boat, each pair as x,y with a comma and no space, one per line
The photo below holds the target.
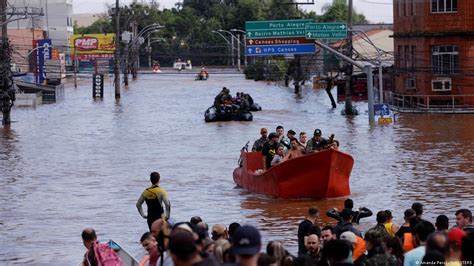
295,150
317,143
269,149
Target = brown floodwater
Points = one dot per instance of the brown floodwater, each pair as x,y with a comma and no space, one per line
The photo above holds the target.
81,163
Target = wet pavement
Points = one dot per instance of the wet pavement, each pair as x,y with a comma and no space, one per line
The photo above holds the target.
80,163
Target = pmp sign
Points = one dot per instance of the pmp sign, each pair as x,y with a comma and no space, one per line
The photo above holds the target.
43,53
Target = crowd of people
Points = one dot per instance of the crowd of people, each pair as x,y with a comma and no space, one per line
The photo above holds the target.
416,242
276,147
225,103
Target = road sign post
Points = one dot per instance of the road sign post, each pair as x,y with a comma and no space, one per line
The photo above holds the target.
326,31
277,37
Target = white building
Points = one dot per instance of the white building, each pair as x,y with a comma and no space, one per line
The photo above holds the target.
56,22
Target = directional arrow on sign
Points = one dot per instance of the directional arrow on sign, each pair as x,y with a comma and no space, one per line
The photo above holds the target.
309,34
249,34
250,50
342,27
251,42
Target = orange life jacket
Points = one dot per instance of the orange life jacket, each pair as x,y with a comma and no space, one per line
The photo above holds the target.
359,248
408,242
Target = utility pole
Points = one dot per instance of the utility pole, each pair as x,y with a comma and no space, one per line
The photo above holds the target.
368,71
238,52
148,49
348,67
7,93
117,48
125,65
134,49
232,51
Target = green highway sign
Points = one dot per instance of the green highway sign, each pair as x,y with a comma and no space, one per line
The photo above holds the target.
277,24
326,31
275,33
276,28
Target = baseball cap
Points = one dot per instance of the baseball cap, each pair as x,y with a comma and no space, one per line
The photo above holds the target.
317,131
455,236
349,236
263,130
246,241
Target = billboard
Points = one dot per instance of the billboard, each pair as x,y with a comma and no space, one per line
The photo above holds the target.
43,52
92,46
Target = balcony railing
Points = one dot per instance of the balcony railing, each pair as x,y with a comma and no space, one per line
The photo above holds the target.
432,103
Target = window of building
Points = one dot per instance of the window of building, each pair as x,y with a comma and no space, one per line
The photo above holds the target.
414,7
400,8
413,57
442,6
407,7
407,56
400,56
410,83
445,59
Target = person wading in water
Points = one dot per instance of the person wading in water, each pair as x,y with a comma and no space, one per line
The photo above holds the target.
156,199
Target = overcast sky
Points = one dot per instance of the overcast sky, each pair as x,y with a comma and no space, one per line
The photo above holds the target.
375,10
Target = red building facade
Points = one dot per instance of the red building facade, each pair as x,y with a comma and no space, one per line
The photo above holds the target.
434,52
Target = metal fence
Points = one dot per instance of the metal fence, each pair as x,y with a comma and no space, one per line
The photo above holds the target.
432,103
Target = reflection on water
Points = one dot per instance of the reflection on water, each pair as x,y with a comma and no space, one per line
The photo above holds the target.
82,163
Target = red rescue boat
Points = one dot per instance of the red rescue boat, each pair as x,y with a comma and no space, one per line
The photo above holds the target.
320,175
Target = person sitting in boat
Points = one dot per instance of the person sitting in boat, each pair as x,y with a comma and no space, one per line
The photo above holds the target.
295,150
332,143
244,106
317,143
249,98
280,131
237,98
278,158
203,73
258,144
269,149
303,140
221,98
286,141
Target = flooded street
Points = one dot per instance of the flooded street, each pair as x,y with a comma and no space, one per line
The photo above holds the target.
81,163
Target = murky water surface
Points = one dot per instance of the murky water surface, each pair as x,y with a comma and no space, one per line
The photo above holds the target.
82,163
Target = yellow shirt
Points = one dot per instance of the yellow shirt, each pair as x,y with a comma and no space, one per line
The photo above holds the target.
388,227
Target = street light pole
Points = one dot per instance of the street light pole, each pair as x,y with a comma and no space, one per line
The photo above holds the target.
117,48
243,44
379,59
238,53
221,36
238,47
368,71
149,51
232,49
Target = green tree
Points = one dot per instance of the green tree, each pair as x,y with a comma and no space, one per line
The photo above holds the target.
101,25
337,11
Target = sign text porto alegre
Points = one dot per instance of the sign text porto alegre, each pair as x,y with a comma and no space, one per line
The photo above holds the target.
326,31
277,37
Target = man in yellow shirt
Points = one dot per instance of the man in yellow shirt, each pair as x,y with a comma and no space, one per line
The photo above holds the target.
156,199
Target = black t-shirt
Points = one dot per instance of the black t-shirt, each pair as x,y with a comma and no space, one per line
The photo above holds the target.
303,230
269,150
402,230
